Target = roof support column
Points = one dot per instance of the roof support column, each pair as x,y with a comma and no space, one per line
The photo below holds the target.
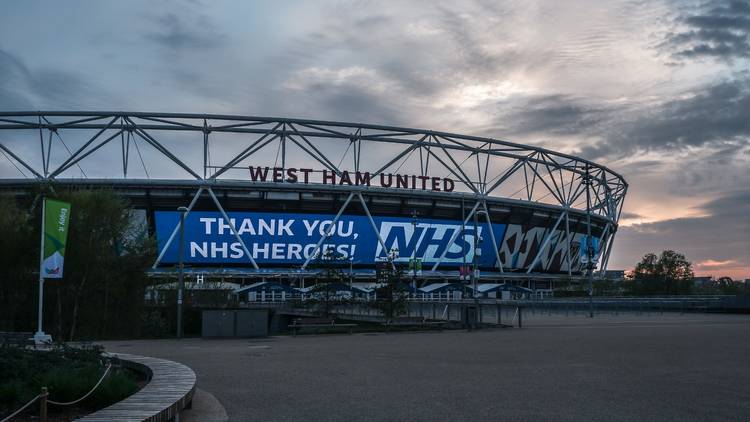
177,228
455,235
374,227
546,242
330,231
234,229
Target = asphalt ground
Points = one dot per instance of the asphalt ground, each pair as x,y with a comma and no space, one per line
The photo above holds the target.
626,367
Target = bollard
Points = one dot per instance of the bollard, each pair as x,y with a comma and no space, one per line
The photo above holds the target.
519,317
43,405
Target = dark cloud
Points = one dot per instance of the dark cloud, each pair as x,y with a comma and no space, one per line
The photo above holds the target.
551,114
466,44
12,83
708,116
177,32
22,88
346,101
631,216
721,235
719,31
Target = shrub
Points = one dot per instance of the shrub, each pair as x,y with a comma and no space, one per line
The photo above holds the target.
119,384
67,373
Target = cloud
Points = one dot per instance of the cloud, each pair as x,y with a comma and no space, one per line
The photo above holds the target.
29,89
177,32
353,93
706,115
631,216
721,236
714,263
553,114
15,77
716,31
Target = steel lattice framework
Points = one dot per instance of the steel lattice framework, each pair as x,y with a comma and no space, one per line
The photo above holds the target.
212,151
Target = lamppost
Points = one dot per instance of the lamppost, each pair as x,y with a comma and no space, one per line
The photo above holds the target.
351,264
589,244
180,279
475,263
414,253
477,255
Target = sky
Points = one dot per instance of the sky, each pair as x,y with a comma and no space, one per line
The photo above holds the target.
658,91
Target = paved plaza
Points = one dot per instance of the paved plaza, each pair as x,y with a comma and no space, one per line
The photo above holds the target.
623,367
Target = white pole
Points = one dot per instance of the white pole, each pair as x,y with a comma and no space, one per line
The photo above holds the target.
40,336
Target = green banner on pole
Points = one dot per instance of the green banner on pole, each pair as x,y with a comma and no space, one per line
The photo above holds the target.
56,217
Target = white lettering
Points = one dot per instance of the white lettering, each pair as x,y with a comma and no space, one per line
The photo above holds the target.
264,226
223,225
285,227
246,227
223,249
237,251
326,228
349,232
310,227
201,249
309,249
263,250
207,221
293,252
278,251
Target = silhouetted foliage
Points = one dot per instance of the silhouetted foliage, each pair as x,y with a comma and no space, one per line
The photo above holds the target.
328,279
391,291
68,373
101,292
669,273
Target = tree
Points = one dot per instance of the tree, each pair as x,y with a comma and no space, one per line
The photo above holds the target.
101,292
328,278
391,291
668,273
19,266
106,258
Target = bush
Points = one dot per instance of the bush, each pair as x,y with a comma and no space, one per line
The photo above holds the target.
10,392
67,373
155,325
118,385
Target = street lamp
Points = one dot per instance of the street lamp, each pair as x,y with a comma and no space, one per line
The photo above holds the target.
477,253
474,273
180,279
589,244
413,253
351,264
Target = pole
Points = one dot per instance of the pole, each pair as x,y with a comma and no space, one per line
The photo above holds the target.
463,239
180,279
474,259
414,253
474,275
43,405
589,245
40,336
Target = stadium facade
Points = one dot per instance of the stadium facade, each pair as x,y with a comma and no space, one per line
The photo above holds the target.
267,197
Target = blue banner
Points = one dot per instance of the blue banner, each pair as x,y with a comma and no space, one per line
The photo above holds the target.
285,238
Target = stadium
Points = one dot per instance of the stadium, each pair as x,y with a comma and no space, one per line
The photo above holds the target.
263,198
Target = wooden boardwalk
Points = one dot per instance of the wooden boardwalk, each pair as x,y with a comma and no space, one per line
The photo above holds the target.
170,390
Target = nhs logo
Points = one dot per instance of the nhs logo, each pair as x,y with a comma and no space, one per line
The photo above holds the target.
430,241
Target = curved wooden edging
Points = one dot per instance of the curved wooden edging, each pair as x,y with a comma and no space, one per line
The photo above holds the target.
170,390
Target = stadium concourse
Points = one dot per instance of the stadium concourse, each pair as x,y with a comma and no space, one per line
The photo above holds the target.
251,199
627,367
